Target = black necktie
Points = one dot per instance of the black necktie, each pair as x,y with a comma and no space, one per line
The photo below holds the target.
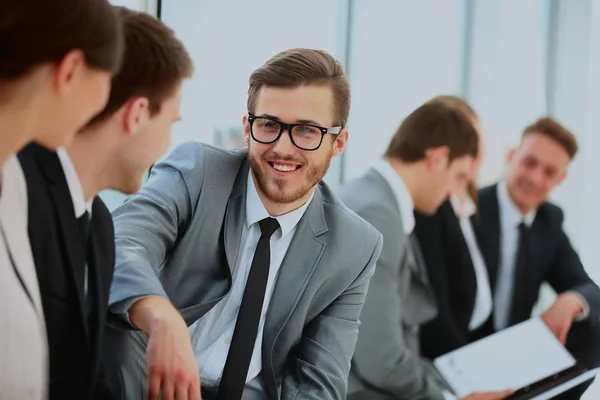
84,228
246,327
520,271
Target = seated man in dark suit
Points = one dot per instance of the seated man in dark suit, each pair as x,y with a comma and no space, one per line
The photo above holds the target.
525,244
70,229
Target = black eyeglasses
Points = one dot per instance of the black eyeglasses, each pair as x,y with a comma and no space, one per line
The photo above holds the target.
267,130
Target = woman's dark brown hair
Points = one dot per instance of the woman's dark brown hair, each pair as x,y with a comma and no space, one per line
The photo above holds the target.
35,32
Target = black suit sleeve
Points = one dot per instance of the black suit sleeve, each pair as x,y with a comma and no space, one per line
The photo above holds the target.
567,272
446,332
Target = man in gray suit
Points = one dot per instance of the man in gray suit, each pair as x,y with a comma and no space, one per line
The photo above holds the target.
431,151
243,263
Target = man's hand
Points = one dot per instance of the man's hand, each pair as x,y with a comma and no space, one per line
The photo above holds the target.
559,317
172,368
488,395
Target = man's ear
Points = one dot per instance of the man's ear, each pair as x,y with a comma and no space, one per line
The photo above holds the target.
511,154
66,71
561,178
437,157
137,113
246,129
339,144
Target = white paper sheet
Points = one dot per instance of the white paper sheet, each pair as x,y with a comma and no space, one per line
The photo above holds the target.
510,359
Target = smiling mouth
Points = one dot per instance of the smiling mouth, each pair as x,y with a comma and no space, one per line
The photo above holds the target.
284,167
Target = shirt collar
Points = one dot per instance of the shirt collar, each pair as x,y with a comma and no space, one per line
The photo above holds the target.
403,197
463,208
79,204
256,211
510,214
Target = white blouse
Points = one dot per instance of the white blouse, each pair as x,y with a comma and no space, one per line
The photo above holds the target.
23,345
464,209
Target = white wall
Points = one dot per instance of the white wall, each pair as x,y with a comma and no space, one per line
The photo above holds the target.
569,98
402,53
506,84
590,223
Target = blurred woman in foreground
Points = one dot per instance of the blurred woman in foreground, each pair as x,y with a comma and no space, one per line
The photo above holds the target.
57,58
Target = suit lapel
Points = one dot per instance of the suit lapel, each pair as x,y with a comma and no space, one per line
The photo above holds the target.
69,229
490,227
96,264
297,267
235,217
419,298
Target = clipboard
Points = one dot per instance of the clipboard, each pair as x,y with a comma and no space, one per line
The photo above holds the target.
526,358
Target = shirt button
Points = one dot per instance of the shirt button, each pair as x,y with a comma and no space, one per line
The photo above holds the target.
227,340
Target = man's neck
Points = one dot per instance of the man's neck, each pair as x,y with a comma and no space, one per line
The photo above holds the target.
410,175
91,158
277,209
521,208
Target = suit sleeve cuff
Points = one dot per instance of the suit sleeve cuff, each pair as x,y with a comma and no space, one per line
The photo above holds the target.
449,396
121,309
583,315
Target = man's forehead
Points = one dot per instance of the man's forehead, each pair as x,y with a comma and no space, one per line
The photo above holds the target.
544,150
296,105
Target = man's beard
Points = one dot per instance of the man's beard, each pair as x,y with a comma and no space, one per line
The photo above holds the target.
275,189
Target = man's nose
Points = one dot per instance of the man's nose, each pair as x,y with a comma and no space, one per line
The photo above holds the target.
284,145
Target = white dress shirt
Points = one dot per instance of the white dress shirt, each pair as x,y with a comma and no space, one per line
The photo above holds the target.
211,335
76,190
464,210
23,345
403,197
407,208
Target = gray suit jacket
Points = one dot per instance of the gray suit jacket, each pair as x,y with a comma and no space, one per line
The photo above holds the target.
179,238
387,363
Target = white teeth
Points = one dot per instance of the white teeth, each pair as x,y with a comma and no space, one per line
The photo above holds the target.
284,168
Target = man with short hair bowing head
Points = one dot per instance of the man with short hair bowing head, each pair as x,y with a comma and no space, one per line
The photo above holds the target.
429,155
70,229
243,262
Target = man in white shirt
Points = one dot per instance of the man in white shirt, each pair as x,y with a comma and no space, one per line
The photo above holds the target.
430,152
70,229
525,244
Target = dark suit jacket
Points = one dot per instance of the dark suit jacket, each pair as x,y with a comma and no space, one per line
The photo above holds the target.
552,259
58,251
452,277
